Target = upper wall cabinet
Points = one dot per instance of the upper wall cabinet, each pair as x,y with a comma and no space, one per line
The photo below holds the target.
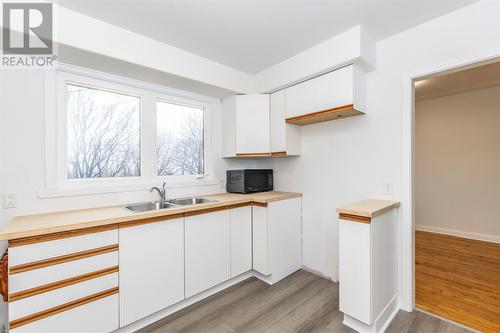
285,138
334,95
245,126
254,126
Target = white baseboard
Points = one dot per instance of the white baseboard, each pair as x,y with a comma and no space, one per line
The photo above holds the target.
463,234
317,273
381,323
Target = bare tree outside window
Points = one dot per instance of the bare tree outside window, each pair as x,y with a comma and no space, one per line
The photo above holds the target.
180,148
103,133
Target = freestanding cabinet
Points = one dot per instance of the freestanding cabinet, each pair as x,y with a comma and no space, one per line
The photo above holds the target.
277,240
151,267
367,243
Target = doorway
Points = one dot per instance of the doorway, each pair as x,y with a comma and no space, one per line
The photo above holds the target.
456,180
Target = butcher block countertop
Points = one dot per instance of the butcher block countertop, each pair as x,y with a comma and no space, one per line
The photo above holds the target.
368,208
47,223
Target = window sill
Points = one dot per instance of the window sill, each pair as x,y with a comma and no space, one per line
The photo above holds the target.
48,193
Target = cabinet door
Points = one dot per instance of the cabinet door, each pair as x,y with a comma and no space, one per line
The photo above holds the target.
334,89
208,262
252,124
278,133
260,234
300,99
151,268
285,237
241,240
355,270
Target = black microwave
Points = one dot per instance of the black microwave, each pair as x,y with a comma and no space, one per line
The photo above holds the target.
249,180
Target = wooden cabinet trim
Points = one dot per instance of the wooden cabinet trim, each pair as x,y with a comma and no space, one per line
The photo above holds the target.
355,218
4,275
60,235
216,209
61,284
62,259
61,308
250,155
278,153
324,115
150,220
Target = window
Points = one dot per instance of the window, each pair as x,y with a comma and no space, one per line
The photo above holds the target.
180,139
106,133
103,134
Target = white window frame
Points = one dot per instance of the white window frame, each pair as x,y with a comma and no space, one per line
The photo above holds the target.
56,181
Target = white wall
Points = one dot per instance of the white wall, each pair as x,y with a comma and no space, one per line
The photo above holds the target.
457,163
350,159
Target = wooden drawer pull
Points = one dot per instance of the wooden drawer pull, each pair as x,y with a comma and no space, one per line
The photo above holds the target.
61,284
62,259
355,218
4,278
61,308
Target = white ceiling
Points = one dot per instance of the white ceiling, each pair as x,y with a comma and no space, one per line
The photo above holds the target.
251,35
475,78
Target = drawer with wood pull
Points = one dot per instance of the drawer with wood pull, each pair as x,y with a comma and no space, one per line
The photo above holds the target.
64,282
31,250
43,300
89,315
21,281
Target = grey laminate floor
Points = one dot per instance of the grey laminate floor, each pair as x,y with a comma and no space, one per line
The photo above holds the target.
302,302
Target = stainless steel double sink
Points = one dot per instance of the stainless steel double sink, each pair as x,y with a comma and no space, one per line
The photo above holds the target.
158,205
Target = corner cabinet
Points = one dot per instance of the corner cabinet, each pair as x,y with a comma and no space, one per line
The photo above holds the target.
245,126
151,267
254,126
334,95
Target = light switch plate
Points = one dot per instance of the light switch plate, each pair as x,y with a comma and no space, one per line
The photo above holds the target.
9,200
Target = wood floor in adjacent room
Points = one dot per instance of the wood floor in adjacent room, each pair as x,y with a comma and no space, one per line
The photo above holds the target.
458,279
302,302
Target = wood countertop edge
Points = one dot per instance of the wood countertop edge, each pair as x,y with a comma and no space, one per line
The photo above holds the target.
371,214
128,216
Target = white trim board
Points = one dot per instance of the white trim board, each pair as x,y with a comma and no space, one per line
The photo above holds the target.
457,233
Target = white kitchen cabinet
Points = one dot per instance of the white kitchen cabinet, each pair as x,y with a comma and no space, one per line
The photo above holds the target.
151,268
337,94
368,268
285,138
241,240
98,316
300,99
245,126
277,239
208,250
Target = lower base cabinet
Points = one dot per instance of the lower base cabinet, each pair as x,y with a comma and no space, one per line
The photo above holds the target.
241,240
277,238
208,250
94,317
151,268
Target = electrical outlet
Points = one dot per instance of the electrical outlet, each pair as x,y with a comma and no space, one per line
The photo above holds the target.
387,188
9,200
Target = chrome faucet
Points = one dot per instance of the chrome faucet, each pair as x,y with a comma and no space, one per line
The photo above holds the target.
162,192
